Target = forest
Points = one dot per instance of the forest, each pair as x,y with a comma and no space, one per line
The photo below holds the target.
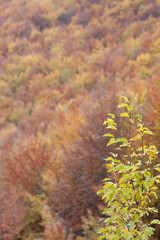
63,67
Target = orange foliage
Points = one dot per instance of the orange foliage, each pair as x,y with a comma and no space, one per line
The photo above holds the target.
63,66
12,212
26,164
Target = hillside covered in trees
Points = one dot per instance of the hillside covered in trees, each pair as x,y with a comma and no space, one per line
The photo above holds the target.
63,66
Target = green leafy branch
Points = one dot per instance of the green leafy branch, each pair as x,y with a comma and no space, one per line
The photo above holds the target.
133,186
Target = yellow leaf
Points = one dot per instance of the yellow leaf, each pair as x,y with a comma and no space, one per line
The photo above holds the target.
125,114
111,141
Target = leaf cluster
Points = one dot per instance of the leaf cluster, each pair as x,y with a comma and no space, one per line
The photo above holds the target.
128,194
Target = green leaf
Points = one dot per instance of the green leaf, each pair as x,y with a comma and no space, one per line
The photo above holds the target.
100,191
138,196
131,223
120,168
111,169
148,231
121,140
112,196
108,184
152,209
139,116
125,114
105,122
125,98
109,159
155,221
154,193
123,178
108,220
108,135
123,105
124,144
111,115
109,121
102,237
111,127
111,141
137,137
113,154
107,210
148,132
106,179
131,120
129,108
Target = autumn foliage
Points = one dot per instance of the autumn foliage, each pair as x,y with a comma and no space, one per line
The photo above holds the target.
63,66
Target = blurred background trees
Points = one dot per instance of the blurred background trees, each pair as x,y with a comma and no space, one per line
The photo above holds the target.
63,66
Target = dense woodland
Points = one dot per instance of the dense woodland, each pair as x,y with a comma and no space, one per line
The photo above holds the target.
63,66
